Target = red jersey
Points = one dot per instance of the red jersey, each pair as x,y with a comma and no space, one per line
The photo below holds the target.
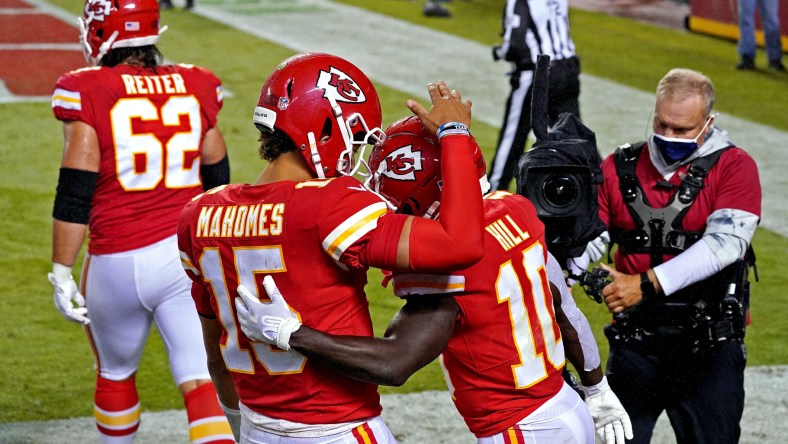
310,235
731,183
150,124
505,357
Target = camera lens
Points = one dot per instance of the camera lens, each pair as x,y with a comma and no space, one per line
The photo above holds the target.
560,191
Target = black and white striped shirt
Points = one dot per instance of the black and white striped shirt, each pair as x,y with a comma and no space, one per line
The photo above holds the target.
533,27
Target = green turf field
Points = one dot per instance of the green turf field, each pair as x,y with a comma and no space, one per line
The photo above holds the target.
46,369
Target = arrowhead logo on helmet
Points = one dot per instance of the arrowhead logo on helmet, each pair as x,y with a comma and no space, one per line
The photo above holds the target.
330,111
340,86
406,168
106,25
402,163
97,9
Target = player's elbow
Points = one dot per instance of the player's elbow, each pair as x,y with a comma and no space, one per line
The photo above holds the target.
476,254
394,376
469,253
390,380
393,368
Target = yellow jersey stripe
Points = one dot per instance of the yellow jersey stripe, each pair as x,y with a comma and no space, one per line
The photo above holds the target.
66,99
352,229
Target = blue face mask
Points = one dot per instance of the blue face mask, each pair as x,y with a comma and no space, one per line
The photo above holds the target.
674,149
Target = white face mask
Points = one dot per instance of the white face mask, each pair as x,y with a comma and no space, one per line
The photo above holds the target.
674,149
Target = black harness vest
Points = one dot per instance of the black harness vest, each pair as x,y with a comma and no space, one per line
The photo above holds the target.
659,230
700,315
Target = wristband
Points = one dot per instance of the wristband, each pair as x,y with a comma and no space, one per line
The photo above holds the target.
647,287
451,128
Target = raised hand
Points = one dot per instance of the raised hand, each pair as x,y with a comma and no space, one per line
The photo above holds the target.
447,106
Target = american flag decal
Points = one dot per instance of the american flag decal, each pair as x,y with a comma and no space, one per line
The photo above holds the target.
132,26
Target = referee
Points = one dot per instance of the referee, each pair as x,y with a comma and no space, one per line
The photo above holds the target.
531,28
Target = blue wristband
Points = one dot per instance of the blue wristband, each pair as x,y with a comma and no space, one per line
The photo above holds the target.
451,128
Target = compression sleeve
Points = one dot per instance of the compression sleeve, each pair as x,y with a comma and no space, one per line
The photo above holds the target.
591,357
456,240
74,195
693,265
727,236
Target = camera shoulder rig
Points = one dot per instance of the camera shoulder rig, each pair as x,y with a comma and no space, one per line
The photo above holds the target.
658,230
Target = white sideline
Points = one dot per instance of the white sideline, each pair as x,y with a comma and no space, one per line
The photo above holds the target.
426,417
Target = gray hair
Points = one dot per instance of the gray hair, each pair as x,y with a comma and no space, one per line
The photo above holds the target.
682,83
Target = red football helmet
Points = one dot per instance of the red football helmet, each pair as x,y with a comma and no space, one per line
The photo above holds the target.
406,169
108,24
327,107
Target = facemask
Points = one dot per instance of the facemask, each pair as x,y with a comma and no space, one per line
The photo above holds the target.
674,149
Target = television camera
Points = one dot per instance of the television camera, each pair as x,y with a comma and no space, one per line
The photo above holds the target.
560,175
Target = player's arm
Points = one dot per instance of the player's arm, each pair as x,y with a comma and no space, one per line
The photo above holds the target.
416,335
456,240
590,373
611,421
211,333
579,343
75,189
214,165
71,212
225,389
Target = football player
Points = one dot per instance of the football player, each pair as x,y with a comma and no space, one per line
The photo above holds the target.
141,140
503,325
308,220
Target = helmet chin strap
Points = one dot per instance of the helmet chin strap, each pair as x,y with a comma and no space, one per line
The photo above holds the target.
315,155
83,38
371,136
484,184
430,213
372,183
105,47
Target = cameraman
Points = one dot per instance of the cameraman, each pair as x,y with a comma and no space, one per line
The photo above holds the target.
671,347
